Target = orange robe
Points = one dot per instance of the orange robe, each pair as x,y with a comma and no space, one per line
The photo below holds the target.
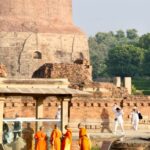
55,139
40,141
67,140
84,141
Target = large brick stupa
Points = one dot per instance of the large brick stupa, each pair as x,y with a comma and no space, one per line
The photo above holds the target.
38,32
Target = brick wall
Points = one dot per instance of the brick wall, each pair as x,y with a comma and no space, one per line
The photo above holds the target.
36,15
94,112
77,74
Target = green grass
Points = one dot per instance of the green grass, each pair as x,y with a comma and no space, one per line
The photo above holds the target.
95,148
142,84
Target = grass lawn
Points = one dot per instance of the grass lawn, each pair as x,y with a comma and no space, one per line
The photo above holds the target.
142,84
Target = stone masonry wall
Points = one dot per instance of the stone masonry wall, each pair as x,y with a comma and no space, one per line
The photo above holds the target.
24,52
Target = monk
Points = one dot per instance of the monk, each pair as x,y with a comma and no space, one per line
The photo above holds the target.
40,138
55,139
84,141
67,139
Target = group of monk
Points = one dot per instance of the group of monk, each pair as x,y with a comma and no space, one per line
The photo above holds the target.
62,142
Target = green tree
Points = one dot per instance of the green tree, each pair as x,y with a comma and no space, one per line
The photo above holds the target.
146,63
120,34
124,60
98,53
102,42
144,41
132,34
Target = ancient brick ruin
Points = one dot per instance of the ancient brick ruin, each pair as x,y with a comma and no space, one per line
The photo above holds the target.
39,40
39,32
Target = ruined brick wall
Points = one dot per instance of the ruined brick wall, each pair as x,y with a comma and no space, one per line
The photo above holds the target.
77,74
105,89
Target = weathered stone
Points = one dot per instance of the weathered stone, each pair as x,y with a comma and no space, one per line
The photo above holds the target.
36,16
35,33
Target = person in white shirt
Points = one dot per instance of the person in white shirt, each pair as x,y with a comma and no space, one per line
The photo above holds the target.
134,118
58,114
118,118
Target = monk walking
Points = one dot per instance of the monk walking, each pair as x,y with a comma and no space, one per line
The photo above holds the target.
67,139
40,138
84,141
55,138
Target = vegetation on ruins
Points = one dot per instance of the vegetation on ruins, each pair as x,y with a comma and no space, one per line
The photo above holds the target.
142,85
120,54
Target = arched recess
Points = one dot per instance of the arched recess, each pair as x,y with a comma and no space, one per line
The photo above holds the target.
37,55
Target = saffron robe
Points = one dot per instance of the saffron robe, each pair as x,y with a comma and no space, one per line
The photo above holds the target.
67,140
84,141
55,139
40,141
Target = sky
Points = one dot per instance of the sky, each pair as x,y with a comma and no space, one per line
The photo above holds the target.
94,16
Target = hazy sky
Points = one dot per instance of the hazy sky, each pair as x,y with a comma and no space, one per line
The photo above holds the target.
94,16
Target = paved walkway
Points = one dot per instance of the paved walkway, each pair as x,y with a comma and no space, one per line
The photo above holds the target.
105,139
128,133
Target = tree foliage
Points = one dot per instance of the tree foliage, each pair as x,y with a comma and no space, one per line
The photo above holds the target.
146,63
132,34
124,60
111,51
144,41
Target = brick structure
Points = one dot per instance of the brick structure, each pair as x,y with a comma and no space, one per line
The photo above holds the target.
39,32
95,112
39,40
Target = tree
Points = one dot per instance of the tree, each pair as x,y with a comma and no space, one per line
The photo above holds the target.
132,34
102,42
120,34
144,41
146,63
98,53
124,60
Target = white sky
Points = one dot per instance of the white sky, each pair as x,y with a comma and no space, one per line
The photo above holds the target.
94,16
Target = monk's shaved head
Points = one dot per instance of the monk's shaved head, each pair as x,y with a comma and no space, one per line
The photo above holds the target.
41,128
